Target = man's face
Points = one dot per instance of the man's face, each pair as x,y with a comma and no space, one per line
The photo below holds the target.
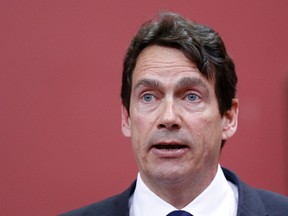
174,122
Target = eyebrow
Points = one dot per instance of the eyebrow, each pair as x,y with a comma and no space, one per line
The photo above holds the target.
148,83
191,81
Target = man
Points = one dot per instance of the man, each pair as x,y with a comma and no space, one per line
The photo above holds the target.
179,108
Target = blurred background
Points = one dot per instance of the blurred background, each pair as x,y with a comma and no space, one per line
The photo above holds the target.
61,145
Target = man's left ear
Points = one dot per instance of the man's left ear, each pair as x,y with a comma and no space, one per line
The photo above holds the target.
230,120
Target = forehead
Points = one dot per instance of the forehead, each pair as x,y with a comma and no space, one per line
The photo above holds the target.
166,65
159,56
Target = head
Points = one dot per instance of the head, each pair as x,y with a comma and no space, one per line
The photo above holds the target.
200,44
178,90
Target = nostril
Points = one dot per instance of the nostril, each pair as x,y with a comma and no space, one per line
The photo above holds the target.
169,126
175,126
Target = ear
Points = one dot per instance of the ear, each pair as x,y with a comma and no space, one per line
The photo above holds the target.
230,120
126,130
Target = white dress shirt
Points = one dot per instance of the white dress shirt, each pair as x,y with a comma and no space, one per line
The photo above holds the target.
220,198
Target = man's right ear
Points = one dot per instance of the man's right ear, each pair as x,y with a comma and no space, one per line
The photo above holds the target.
126,130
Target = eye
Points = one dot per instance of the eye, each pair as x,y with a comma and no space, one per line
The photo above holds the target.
147,97
192,97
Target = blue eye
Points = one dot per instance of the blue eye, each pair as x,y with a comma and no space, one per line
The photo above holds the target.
147,97
192,97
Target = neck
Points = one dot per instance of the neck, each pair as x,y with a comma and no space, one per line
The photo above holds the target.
179,193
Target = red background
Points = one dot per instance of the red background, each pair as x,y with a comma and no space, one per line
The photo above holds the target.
60,70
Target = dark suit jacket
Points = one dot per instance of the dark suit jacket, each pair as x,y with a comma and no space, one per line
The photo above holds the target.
251,202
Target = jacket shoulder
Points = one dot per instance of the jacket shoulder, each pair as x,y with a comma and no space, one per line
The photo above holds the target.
115,205
99,208
275,204
253,201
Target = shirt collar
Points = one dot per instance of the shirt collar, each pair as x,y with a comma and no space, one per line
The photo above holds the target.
218,198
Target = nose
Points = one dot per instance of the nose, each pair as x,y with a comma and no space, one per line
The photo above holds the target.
169,117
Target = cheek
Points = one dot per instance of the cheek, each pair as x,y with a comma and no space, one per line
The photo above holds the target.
141,121
140,130
206,140
207,129
137,125
214,136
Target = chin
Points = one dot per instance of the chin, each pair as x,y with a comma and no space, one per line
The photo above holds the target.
169,176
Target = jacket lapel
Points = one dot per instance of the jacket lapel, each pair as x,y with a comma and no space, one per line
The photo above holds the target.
249,201
121,203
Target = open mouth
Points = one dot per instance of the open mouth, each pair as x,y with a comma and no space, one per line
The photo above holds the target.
170,150
170,146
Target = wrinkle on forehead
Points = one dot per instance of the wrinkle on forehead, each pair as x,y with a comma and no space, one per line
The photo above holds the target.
157,59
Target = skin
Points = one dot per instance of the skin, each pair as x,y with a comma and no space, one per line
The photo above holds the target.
175,125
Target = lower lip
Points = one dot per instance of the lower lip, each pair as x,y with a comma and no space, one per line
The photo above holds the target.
169,153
